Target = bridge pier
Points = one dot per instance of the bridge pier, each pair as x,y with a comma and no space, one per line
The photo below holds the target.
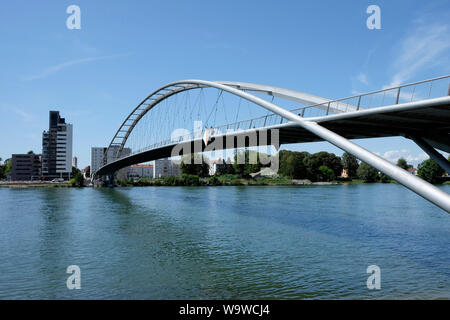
436,156
111,180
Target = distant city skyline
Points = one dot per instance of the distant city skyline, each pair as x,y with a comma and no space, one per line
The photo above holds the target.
97,74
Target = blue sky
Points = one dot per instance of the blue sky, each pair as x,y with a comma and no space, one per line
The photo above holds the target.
126,49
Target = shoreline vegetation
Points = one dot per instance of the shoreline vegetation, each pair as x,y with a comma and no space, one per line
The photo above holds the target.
247,169
231,180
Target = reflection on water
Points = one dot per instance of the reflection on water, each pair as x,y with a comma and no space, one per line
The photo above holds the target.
223,242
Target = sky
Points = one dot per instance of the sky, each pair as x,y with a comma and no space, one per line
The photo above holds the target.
126,49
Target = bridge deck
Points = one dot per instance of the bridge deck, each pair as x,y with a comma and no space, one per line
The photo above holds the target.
429,119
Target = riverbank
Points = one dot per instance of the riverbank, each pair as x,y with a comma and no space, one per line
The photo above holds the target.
228,180
33,184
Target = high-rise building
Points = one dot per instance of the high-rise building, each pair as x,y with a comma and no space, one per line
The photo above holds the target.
57,148
98,157
165,168
26,167
75,162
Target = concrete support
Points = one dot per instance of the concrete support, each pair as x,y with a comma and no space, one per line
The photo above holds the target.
436,156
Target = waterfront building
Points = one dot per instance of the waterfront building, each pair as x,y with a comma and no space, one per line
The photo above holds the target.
98,158
57,148
215,165
165,168
344,173
26,167
75,162
86,172
138,171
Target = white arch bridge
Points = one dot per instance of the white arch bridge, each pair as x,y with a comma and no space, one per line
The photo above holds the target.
236,111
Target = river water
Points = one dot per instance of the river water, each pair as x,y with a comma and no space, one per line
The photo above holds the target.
223,243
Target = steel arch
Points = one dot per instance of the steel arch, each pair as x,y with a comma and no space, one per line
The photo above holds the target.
173,88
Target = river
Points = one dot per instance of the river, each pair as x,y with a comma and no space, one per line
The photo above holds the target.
259,242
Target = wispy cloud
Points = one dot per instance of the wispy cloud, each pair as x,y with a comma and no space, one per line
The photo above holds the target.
362,77
24,116
56,68
426,46
394,155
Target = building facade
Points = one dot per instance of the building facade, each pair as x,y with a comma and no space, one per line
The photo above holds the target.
138,171
216,165
165,168
57,148
98,159
75,162
26,167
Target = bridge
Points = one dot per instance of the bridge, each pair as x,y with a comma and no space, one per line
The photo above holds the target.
157,126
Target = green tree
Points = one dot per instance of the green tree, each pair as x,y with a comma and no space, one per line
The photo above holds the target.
367,173
384,178
190,179
350,163
316,160
7,164
292,164
195,164
246,162
77,180
226,168
30,152
326,174
403,164
430,171
74,171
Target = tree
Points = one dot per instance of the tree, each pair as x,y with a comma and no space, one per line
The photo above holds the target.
246,162
384,178
326,174
195,164
77,180
7,166
350,163
403,164
430,171
30,152
316,160
74,171
367,173
292,164
226,168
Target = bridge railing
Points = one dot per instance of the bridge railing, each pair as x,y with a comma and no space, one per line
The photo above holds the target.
422,90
